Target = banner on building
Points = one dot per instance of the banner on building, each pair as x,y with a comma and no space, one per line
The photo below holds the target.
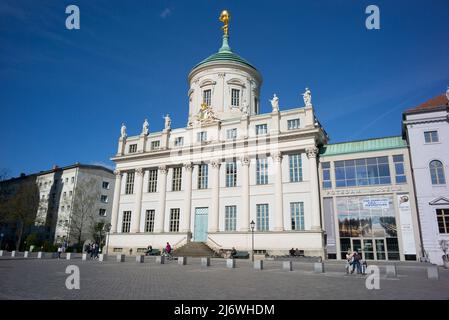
405,214
376,203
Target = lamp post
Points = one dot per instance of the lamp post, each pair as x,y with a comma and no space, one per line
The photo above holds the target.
107,228
1,239
252,224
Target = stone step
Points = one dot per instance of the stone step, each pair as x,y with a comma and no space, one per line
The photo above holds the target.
194,249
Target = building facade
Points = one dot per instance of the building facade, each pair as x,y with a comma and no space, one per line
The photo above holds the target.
426,128
367,196
228,167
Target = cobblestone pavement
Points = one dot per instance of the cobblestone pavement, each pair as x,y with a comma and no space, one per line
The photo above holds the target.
45,279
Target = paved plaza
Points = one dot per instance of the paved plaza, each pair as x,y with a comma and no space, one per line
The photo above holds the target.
31,278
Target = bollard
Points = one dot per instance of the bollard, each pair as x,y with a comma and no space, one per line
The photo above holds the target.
68,255
40,255
120,258
160,259
140,258
318,267
258,264
391,271
287,265
1,253
230,263
182,261
13,254
25,254
205,262
102,257
432,273
84,257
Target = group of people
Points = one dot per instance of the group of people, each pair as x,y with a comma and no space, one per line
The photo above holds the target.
295,252
92,249
354,260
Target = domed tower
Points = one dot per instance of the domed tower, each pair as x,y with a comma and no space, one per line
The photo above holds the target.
224,84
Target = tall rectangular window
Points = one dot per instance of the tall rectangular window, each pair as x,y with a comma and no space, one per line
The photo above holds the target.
174,220
129,188
152,180
231,174
149,221
295,164
293,124
105,185
201,136
431,136
202,176
443,220
399,168
126,222
231,134
297,214
261,129
132,148
177,179
262,217
155,145
230,218
261,171
179,141
327,182
362,172
235,97
207,94
104,198
102,212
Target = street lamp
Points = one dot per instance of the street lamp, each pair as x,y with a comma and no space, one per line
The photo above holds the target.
107,228
252,224
1,239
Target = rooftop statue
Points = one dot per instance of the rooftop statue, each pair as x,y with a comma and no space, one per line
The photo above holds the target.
275,103
145,128
307,96
167,122
224,17
123,131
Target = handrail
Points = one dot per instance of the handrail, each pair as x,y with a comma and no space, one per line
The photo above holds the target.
216,243
176,244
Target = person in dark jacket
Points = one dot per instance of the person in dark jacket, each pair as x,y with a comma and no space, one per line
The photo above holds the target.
356,263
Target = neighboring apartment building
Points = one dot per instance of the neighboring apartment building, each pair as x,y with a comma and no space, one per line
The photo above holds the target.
368,200
426,128
228,167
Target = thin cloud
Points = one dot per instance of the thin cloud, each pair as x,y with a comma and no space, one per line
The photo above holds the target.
164,14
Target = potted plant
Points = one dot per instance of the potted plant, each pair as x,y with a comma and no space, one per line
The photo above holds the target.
444,244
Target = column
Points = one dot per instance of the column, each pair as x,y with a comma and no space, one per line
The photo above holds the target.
215,205
116,201
188,167
245,216
279,205
135,217
160,216
314,188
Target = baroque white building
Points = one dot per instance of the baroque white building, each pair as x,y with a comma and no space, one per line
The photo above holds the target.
229,166
426,128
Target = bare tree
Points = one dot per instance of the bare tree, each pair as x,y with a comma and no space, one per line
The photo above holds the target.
4,174
82,218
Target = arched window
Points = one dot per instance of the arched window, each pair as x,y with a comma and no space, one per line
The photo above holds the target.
437,172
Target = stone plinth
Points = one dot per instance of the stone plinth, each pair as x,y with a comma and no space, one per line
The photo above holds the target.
26,254
84,257
182,261
102,257
120,258
68,255
205,262
230,263
287,266
318,267
258,264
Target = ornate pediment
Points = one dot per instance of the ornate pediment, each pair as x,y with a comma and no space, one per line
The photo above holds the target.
439,201
206,114
236,81
207,82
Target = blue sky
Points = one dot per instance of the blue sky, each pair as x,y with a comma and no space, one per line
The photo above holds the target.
64,93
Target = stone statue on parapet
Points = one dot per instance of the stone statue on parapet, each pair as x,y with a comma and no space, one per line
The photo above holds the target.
167,122
275,103
307,96
145,128
123,131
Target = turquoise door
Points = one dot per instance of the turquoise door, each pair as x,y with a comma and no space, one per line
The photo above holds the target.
200,231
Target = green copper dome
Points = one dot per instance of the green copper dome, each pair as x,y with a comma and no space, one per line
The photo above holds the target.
225,54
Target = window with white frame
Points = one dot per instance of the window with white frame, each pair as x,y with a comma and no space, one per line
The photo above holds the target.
177,179
235,97
155,145
295,164
64,194
105,185
261,129
104,198
102,212
179,141
443,220
230,218
132,148
202,176
437,172
201,136
431,136
231,174
152,180
207,97
126,221
261,171
292,124
297,215
399,168
327,182
129,187
149,221
231,134
174,220
262,217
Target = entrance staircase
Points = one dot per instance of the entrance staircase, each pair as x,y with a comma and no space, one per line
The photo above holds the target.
194,249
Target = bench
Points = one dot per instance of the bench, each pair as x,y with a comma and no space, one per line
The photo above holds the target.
154,252
241,255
